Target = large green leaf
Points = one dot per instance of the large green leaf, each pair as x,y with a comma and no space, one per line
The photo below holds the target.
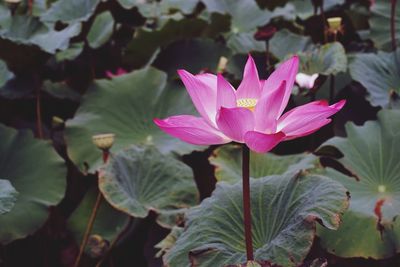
228,163
5,74
285,43
154,8
326,60
126,106
71,11
379,74
108,224
241,39
61,90
285,209
305,9
29,30
370,152
244,42
240,12
380,24
146,42
37,173
8,196
101,30
203,54
140,179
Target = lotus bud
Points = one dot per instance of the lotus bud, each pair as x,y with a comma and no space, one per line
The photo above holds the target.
252,264
104,141
13,4
223,61
335,23
265,33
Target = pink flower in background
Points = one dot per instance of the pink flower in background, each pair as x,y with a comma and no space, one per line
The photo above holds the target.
252,114
306,81
119,72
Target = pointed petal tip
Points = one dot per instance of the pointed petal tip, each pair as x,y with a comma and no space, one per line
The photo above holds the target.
339,105
157,121
182,72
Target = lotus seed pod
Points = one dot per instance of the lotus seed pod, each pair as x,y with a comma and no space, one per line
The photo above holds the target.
12,4
335,23
97,246
104,141
57,122
252,264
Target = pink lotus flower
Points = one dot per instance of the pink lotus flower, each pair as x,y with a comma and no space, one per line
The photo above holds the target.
119,72
252,114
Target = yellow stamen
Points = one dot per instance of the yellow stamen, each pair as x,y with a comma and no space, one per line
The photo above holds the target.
248,103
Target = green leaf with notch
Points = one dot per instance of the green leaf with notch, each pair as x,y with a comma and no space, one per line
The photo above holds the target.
285,209
379,73
140,179
370,152
28,30
71,11
38,173
126,106
228,163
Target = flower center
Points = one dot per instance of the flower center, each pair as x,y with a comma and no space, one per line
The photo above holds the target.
248,103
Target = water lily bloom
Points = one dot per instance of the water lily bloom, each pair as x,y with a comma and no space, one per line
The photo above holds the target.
305,80
252,114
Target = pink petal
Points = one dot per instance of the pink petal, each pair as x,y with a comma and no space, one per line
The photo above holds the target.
286,71
109,74
121,71
235,122
307,118
261,143
209,79
250,85
226,96
202,89
266,112
311,128
191,129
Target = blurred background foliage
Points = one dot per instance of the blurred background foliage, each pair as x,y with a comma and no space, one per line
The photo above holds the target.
71,69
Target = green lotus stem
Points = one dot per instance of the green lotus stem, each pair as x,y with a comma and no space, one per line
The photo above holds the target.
92,218
323,20
38,114
89,228
331,88
30,6
115,241
246,202
393,24
267,56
